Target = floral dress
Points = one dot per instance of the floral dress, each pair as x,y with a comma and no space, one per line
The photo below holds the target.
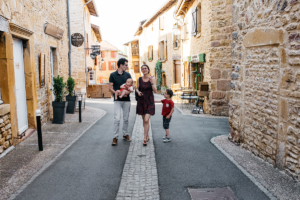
145,103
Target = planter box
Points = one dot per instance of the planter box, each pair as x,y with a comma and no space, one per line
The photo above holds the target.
72,102
59,112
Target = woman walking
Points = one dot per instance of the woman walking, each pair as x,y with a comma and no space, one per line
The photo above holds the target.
146,85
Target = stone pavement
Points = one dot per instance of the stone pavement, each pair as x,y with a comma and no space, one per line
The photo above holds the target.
139,179
275,181
20,166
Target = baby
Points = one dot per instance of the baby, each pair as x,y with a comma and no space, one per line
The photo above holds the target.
125,89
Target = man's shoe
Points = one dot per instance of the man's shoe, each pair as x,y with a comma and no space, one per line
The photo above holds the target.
115,142
167,140
165,137
127,138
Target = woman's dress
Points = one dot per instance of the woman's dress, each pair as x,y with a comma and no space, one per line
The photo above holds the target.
145,104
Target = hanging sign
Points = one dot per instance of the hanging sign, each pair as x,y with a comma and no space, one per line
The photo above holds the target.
77,39
93,55
3,24
195,58
96,49
54,31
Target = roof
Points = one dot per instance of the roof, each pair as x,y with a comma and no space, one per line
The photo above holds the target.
126,44
140,28
182,6
106,46
122,54
97,32
92,8
166,6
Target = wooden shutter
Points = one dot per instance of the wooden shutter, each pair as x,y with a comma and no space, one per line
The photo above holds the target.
109,65
115,54
96,60
161,23
165,50
103,66
158,51
103,54
151,52
194,21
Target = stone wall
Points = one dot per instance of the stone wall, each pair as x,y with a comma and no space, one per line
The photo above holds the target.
5,128
264,100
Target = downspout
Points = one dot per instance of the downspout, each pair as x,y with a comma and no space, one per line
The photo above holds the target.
69,31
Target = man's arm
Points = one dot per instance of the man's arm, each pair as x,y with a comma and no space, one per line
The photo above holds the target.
111,89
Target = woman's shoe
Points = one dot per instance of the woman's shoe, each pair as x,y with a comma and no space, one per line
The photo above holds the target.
148,138
145,143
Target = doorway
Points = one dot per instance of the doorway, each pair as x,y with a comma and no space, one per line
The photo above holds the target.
177,72
21,101
53,69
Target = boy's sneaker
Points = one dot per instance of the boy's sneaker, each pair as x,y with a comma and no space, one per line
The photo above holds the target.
165,137
167,140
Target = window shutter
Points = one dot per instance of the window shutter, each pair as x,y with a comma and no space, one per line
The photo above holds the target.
194,21
103,54
165,50
104,66
161,23
151,52
112,54
159,51
115,54
178,37
109,65
96,60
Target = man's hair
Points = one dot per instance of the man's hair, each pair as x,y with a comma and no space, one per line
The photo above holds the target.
169,92
121,61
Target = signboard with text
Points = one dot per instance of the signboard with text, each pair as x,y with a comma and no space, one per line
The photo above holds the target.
96,49
53,31
77,39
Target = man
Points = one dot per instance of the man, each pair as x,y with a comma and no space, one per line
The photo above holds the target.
116,79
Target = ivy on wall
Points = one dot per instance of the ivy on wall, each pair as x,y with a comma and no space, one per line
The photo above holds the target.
158,68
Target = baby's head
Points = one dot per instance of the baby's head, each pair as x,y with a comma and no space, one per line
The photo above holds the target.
129,82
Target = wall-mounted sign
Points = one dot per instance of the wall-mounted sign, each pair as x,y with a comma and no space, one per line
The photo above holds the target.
53,31
42,69
3,24
77,39
195,58
96,49
93,55
176,57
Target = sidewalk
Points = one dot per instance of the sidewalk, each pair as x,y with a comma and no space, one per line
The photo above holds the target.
20,166
279,184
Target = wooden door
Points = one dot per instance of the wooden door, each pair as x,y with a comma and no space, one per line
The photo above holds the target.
20,85
177,72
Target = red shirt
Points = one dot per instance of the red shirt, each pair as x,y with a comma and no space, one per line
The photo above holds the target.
167,107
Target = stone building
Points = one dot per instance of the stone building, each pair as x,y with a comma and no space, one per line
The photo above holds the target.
264,100
33,49
134,59
81,60
198,55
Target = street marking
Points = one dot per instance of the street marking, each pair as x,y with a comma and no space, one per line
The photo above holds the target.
139,177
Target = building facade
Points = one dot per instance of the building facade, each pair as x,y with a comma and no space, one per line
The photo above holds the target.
264,101
133,59
34,49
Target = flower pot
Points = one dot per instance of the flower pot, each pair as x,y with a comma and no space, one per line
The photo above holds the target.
59,112
72,102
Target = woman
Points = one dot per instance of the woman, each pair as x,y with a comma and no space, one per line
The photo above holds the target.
146,85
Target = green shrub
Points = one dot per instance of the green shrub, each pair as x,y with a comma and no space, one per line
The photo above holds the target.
58,88
70,86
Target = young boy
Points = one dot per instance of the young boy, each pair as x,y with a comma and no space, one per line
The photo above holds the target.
125,89
167,111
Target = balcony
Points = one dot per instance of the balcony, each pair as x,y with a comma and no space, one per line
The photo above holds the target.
135,51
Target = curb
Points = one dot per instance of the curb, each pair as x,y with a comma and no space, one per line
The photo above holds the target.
217,117
7,151
260,186
23,187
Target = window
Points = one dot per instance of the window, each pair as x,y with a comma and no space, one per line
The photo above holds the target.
162,50
92,78
176,41
150,53
113,54
161,23
103,66
112,65
103,54
196,20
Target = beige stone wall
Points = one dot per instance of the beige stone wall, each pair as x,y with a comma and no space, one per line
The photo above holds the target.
5,128
33,15
264,100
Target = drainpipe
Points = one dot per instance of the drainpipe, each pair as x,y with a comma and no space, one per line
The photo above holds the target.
69,30
85,41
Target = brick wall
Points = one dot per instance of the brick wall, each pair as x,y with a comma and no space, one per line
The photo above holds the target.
264,101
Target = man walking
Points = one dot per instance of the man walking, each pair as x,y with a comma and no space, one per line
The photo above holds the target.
116,79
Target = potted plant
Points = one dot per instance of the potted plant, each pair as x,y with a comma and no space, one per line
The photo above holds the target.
59,106
71,98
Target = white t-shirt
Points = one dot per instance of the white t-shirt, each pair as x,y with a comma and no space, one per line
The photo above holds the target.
126,88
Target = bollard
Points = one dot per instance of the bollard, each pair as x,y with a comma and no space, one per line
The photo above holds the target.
79,101
39,129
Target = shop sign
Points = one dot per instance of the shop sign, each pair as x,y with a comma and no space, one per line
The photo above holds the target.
96,49
54,31
195,58
93,56
3,24
77,39
176,57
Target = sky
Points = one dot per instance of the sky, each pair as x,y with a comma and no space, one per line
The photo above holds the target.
119,19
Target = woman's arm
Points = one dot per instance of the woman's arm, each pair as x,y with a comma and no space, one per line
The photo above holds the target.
137,86
153,83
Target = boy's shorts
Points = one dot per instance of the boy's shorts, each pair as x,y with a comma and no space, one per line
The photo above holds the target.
166,122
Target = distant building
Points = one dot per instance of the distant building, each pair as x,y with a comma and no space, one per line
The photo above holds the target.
120,55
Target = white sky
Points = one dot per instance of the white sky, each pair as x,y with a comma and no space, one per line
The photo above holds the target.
119,19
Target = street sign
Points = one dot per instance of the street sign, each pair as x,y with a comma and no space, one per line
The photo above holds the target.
54,31
3,24
77,39
96,49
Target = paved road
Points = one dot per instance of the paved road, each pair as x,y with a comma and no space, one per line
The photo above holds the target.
191,161
90,169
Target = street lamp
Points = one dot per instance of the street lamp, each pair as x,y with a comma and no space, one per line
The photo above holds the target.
175,29
85,41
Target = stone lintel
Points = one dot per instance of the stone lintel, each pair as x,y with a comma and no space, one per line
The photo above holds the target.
261,37
4,109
